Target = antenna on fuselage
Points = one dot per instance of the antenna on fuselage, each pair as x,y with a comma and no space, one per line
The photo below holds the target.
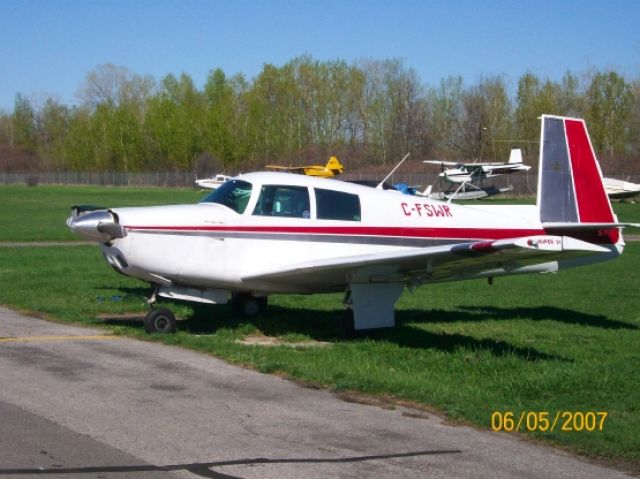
379,187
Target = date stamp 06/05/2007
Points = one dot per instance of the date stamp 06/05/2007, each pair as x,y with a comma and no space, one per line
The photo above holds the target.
548,421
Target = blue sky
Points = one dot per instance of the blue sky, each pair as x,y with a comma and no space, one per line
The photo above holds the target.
48,46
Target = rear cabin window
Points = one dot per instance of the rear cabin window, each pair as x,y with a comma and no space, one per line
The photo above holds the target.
336,205
233,194
285,201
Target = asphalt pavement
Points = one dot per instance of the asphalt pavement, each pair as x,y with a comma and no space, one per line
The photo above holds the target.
76,403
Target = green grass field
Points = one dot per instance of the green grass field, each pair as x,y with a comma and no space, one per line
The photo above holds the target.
567,342
39,213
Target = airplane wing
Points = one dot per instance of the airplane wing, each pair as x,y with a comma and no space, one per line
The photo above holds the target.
493,168
434,264
471,164
438,162
287,168
504,168
278,167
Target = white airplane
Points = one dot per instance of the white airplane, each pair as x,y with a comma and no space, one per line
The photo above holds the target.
265,233
619,189
467,172
464,174
213,182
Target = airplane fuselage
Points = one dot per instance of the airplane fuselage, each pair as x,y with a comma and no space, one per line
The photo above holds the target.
212,246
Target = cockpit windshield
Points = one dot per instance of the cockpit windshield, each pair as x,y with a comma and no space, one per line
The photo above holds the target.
233,194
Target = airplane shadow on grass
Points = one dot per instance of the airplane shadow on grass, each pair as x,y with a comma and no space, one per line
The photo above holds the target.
327,326
541,313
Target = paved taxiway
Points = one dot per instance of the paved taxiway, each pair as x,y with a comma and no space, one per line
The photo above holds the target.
76,403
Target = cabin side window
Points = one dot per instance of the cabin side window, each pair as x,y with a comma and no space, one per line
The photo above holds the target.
284,201
233,194
336,205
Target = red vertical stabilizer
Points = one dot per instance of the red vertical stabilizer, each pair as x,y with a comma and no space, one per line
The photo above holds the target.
571,195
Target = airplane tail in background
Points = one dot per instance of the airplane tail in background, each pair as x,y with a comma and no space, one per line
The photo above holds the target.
571,195
334,166
515,157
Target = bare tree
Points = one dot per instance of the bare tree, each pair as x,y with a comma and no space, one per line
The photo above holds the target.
111,84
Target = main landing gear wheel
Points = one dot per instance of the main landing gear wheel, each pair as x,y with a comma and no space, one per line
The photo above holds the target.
247,305
160,320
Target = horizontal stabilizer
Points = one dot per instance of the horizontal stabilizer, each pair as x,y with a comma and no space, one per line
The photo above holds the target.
546,243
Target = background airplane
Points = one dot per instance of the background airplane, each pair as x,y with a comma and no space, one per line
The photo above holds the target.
265,233
332,168
213,182
467,178
619,189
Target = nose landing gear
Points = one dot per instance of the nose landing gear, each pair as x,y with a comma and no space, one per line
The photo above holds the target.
162,320
158,320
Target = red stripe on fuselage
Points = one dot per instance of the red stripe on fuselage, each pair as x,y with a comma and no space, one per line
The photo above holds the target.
394,232
593,203
608,236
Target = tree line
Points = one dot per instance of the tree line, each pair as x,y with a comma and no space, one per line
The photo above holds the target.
369,113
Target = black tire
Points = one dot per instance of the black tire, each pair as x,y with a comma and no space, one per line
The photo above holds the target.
160,320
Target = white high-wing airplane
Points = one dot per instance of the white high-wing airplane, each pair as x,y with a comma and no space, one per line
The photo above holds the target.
213,182
265,233
460,172
463,176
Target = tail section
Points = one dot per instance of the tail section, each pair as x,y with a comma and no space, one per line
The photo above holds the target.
571,197
570,188
334,166
515,157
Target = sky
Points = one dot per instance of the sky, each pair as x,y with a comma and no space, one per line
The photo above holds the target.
47,47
